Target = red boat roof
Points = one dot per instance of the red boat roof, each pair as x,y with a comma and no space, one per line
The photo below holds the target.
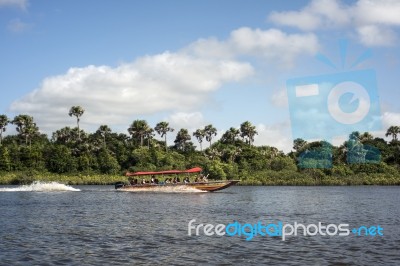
167,172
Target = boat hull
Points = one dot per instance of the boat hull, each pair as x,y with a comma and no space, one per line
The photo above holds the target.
210,186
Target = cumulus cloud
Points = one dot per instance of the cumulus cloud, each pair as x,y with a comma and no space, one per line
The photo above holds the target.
277,135
178,82
151,84
22,4
189,121
280,99
390,119
372,20
268,44
376,36
318,14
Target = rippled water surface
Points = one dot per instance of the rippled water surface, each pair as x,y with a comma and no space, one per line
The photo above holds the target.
95,225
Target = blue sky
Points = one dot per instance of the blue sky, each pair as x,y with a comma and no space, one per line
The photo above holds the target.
187,62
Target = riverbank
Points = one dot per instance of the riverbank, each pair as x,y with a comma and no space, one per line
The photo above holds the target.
22,178
294,179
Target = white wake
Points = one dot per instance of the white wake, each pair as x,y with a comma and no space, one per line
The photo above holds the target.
38,186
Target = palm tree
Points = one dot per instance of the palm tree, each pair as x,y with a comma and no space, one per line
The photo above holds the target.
366,136
139,129
181,138
26,127
247,130
199,134
77,111
299,144
162,129
149,135
3,124
355,136
393,131
63,136
210,131
230,153
213,153
104,130
230,135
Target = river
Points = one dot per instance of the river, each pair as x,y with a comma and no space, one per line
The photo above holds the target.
95,225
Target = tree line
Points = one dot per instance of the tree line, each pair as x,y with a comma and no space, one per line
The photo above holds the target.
72,150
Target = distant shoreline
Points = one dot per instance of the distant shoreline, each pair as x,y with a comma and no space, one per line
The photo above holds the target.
22,178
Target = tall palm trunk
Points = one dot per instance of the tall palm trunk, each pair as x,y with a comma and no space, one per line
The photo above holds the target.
79,131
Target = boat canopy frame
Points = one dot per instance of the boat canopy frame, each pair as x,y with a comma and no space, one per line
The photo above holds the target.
167,172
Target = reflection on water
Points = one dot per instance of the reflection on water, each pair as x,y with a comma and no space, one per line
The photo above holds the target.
100,226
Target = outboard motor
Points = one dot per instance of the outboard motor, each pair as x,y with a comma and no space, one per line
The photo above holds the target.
119,185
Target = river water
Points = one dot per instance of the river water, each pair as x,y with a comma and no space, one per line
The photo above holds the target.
45,224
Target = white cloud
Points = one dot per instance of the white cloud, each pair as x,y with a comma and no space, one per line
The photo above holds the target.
171,82
210,48
390,119
277,135
190,121
269,44
280,99
22,4
372,20
274,44
306,20
376,36
17,26
151,84
383,12
318,14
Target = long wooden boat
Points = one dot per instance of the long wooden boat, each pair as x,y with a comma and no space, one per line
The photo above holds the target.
202,185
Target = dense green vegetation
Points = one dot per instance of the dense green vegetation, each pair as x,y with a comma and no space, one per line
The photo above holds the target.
74,156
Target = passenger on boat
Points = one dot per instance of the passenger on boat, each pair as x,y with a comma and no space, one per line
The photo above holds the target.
178,180
144,181
203,178
186,180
